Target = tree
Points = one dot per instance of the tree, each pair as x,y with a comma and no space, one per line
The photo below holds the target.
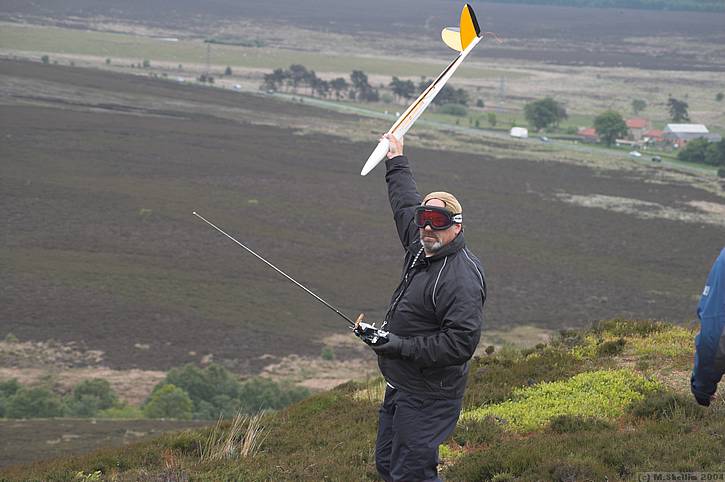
678,110
339,85
719,96
715,153
453,109
45,59
479,103
260,393
34,402
146,63
169,401
694,151
544,113
638,105
361,88
402,88
228,70
8,388
492,119
610,126
90,396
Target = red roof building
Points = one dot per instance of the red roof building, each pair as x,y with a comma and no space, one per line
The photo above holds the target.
588,134
654,136
636,127
637,123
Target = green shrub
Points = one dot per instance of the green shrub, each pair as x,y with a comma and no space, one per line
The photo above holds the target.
33,403
576,423
602,393
126,412
10,338
327,353
168,401
611,347
45,59
493,378
453,109
261,394
90,396
625,328
476,432
215,391
572,469
8,388
661,404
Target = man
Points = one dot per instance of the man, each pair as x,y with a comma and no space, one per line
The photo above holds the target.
434,323
710,342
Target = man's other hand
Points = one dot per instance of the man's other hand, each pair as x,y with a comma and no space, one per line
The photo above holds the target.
391,348
396,146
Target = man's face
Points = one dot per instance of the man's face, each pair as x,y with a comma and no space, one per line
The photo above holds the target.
433,240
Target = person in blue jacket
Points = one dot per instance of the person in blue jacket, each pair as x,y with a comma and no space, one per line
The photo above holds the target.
710,342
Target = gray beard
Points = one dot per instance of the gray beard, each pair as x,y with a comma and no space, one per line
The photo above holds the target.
431,247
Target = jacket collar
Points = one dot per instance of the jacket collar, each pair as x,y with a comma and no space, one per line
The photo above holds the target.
454,246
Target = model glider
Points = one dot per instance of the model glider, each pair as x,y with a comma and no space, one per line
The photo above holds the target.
461,39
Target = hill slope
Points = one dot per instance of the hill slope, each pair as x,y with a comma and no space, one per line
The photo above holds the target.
608,402
101,172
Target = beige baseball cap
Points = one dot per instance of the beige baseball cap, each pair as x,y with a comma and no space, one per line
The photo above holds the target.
451,203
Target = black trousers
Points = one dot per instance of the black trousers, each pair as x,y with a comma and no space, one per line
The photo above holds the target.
410,429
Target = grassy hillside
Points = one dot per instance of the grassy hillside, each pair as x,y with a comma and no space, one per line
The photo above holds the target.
607,402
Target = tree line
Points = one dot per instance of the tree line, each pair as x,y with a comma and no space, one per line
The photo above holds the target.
298,79
186,393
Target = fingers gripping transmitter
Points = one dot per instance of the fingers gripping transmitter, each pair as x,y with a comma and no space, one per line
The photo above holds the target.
368,333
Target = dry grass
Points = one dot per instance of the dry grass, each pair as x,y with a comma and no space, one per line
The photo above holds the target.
241,438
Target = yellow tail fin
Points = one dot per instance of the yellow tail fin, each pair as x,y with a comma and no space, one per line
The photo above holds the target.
460,38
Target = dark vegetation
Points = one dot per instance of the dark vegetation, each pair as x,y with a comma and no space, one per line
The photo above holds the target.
703,151
298,79
187,393
610,126
331,435
544,113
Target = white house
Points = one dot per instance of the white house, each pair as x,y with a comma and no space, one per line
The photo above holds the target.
681,134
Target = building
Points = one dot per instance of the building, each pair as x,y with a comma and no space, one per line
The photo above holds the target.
588,134
654,136
519,132
680,134
637,127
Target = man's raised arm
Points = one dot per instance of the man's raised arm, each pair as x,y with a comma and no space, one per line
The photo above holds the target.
402,191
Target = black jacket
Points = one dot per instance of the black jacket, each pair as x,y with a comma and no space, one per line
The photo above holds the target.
438,306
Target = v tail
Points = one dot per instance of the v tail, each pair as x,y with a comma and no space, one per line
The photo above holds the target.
468,30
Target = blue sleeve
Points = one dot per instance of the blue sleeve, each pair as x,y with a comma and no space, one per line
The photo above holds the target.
710,342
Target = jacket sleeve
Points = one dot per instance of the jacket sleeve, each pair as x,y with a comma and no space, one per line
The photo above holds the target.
710,342
460,307
404,197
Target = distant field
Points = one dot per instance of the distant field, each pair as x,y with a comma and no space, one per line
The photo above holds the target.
26,441
125,49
